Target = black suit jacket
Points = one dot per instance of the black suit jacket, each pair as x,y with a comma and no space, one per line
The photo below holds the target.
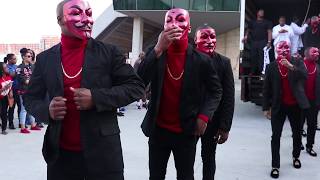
222,118
199,76
318,86
112,83
272,90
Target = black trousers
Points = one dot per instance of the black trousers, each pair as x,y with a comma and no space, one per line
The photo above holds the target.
11,109
71,166
183,147
208,152
4,113
311,115
257,56
277,121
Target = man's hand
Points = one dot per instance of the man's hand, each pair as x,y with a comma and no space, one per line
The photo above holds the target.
269,44
201,127
267,114
58,108
283,31
82,98
286,63
165,39
221,136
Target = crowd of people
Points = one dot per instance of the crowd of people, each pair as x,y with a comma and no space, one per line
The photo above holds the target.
14,83
291,82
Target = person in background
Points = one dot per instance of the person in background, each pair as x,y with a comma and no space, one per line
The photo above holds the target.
312,89
219,126
311,37
11,65
5,91
284,96
24,72
143,101
281,32
261,36
296,41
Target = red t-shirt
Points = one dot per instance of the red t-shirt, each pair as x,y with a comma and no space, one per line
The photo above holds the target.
72,58
3,82
310,84
287,95
169,116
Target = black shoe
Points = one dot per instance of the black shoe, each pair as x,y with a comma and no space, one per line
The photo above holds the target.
120,113
311,152
40,125
274,173
318,128
296,163
4,133
11,127
302,147
303,133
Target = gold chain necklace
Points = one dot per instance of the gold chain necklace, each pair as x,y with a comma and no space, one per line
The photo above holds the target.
315,68
283,75
70,77
175,78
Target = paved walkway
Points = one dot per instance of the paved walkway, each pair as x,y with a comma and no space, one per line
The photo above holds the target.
246,156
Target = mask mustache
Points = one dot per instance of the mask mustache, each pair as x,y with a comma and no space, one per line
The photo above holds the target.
84,26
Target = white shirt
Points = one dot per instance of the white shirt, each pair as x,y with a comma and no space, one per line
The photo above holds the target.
281,36
296,42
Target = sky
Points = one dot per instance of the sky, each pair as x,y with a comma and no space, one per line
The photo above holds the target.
25,21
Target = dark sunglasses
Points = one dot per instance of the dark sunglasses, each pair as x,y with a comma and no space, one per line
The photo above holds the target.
28,56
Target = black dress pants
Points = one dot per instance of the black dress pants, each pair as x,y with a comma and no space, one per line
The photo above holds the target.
257,56
208,152
277,121
311,115
11,109
183,147
4,113
71,166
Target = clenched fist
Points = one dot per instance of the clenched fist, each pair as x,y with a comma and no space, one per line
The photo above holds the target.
82,98
58,108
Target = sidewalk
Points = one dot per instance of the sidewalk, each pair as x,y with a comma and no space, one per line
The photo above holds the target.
246,156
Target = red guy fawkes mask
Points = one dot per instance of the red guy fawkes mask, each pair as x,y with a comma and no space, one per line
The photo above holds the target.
313,54
78,18
206,40
283,50
178,18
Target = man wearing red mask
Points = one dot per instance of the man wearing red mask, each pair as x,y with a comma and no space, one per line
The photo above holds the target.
312,34
312,89
178,112
220,125
284,96
86,81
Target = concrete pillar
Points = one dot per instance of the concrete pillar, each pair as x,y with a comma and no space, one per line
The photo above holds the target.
137,39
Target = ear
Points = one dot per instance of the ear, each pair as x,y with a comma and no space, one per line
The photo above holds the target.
60,20
195,39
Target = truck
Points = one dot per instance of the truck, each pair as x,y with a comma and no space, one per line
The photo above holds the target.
252,85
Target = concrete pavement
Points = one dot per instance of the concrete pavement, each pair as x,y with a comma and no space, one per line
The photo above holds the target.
246,155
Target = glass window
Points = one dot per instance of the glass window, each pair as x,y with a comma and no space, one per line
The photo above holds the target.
154,4
124,4
184,4
199,5
223,5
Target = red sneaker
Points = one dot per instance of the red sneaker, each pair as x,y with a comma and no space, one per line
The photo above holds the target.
24,131
35,128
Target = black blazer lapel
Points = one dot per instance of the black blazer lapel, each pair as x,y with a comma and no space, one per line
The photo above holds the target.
186,76
87,57
56,60
160,76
